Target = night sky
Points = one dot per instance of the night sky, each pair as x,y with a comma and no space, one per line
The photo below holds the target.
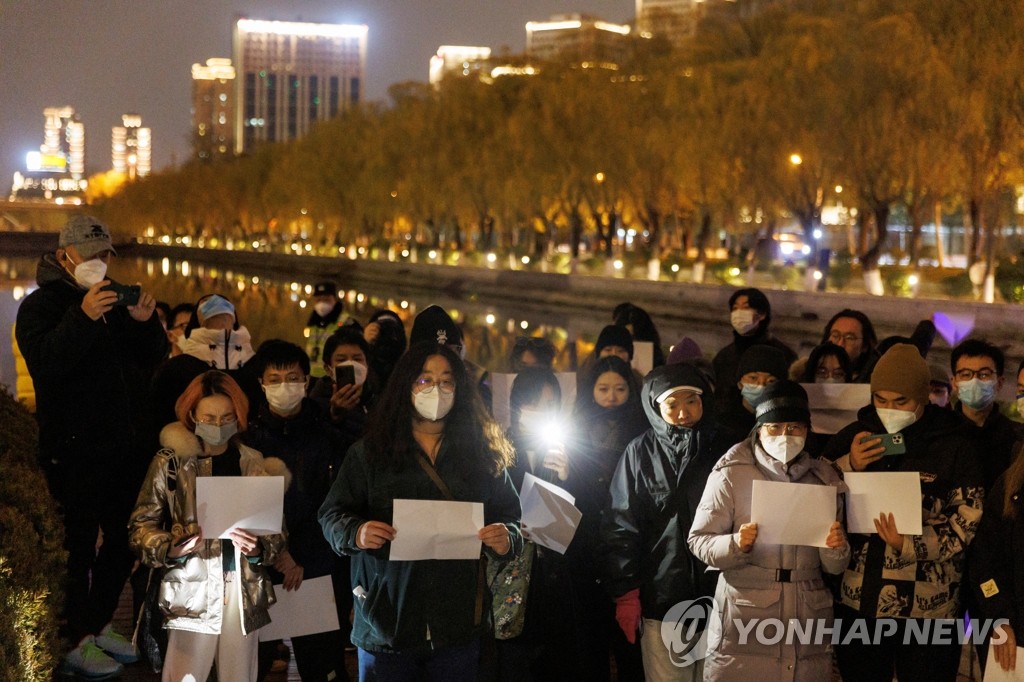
108,57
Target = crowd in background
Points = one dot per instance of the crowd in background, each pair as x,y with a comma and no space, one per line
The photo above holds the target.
661,467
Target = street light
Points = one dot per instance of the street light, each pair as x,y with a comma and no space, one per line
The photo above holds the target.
795,159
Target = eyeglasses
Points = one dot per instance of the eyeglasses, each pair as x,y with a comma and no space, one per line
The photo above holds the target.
836,337
985,374
290,379
825,373
785,429
445,385
216,421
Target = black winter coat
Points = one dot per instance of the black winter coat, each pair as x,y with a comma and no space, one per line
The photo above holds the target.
996,561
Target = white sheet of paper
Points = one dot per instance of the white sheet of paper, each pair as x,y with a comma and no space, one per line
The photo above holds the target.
834,406
874,492
792,513
254,503
549,513
501,389
643,357
305,611
994,673
436,529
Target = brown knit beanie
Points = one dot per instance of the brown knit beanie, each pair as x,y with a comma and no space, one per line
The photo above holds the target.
902,370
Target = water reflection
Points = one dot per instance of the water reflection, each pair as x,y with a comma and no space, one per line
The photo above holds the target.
272,305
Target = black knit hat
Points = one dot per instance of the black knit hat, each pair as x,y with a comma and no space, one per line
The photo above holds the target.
783,401
762,358
614,335
434,325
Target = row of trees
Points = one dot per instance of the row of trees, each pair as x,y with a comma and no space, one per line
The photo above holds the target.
903,103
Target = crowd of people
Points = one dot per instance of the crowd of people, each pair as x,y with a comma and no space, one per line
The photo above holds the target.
137,400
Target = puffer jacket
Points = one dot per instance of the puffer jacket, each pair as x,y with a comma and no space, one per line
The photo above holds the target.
653,497
748,587
192,591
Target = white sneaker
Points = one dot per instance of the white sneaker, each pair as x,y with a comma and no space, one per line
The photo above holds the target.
115,645
89,662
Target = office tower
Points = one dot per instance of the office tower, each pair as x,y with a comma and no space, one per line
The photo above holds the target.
213,109
131,147
289,75
459,60
577,38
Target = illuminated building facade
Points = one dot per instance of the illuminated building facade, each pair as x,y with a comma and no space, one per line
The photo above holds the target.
57,171
289,75
458,60
213,109
673,20
577,38
131,148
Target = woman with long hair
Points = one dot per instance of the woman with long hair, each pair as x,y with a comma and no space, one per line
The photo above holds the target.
430,439
215,594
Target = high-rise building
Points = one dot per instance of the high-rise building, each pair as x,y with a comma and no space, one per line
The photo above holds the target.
673,20
131,148
213,109
577,38
292,74
461,60
57,171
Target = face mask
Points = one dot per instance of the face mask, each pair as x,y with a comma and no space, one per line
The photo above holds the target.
783,448
286,396
742,320
211,434
90,272
358,370
940,401
976,394
433,404
895,421
752,393
323,309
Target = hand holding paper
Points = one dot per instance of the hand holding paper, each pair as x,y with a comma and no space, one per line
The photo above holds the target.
890,492
792,513
436,529
226,503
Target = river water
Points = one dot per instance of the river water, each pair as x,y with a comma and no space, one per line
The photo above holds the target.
273,306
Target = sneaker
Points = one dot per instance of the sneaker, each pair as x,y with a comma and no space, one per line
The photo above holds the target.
116,646
89,662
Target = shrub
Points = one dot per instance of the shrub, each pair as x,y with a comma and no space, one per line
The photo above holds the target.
1010,279
840,271
32,559
957,286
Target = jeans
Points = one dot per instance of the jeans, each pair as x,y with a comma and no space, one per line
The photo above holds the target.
454,664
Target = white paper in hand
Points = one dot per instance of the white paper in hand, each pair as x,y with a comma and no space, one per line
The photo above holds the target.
873,493
994,673
252,503
436,529
305,611
549,513
792,513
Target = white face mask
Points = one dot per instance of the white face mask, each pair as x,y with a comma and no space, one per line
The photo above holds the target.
433,404
89,273
358,370
286,396
323,309
211,434
895,421
742,320
783,448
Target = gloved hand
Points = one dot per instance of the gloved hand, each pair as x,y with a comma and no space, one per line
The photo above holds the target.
627,613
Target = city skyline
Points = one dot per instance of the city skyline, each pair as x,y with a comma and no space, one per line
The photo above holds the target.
107,57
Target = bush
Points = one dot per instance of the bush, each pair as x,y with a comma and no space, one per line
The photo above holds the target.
32,558
1010,279
896,280
957,286
840,272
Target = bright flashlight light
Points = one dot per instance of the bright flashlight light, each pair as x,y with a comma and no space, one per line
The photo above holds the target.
817,275
490,318
618,264
912,280
491,258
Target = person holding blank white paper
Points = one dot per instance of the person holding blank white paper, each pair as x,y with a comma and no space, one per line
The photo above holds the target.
429,439
215,594
758,580
914,579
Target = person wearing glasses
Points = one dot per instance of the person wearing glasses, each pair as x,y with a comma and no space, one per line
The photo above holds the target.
853,330
215,594
827,364
912,579
430,438
761,581
177,322
977,368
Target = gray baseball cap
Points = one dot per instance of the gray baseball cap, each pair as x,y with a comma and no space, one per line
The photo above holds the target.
87,234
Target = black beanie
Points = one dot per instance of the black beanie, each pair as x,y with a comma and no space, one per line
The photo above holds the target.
434,325
614,335
783,401
762,358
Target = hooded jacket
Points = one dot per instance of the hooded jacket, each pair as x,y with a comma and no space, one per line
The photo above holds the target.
922,580
748,587
192,590
654,495
87,373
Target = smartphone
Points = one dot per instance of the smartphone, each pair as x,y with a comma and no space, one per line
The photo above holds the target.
344,375
892,442
127,294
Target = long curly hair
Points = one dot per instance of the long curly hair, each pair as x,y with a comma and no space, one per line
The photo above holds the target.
470,433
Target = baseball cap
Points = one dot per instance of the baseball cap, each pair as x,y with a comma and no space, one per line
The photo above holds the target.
87,234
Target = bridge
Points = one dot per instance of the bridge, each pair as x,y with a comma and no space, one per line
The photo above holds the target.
34,216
